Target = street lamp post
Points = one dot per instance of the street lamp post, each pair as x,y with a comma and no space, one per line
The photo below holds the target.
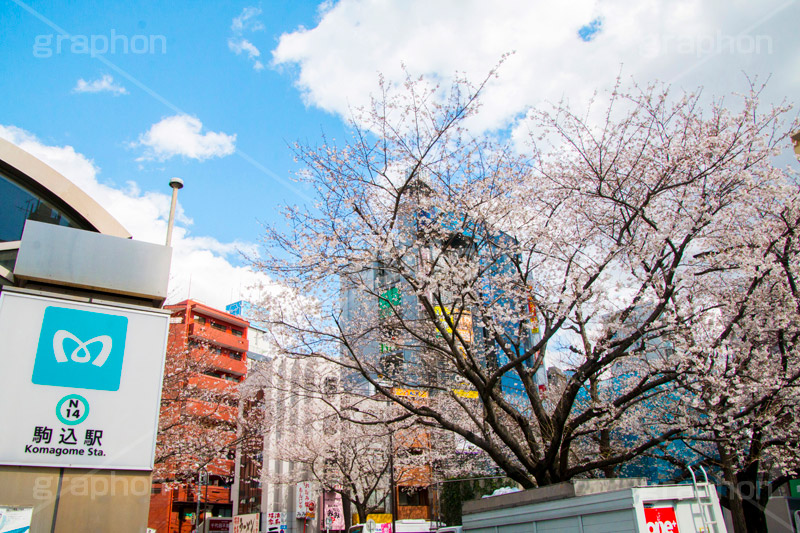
175,183
200,479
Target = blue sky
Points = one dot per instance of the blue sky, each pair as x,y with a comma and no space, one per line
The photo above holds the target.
227,87
196,75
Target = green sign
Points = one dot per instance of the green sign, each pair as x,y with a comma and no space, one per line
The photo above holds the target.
391,299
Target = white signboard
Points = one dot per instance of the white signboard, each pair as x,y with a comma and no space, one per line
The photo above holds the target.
245,523
80,383
15,519
275,521
305,501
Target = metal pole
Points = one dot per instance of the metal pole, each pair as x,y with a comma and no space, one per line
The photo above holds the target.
197,512
391,481
175,183
205,503
237,461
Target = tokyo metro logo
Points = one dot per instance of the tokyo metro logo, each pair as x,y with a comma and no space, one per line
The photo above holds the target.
80,349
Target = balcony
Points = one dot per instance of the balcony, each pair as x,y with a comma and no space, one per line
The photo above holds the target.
226,413
208,493
214,494
405,512
221,467
213,384
204,332
413,476
228,364
221,362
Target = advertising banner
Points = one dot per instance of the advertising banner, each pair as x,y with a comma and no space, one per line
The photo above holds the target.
80,382
334,511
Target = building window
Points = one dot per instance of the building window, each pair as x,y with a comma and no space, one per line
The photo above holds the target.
418,497
199,319
236,355
217,326
330,385
236,332
20,204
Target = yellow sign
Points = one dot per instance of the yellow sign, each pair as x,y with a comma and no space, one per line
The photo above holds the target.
465,393
463,324
532,311
383,518
410,393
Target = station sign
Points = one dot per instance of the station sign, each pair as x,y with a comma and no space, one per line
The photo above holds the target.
80,382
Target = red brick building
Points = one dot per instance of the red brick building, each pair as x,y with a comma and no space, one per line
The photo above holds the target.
206,361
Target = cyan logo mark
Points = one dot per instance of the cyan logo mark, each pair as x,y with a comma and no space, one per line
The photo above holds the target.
80,349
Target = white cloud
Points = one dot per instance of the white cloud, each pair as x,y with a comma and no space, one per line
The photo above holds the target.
104,84
683,42
246,22
239,45
180,135
201,265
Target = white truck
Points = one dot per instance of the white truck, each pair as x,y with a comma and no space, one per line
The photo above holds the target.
407,525
599,506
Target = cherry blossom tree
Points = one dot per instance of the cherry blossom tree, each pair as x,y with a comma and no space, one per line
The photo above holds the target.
743,380
345,443
628,246
200,425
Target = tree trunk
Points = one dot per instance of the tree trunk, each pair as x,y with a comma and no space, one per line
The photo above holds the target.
361,509
348,515
734,496
755,518
753,501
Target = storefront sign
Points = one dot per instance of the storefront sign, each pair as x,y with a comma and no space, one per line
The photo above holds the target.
275,521
245,523
305,501
411,393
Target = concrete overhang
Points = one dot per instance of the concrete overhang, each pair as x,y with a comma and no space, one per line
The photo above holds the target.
40,175
62,256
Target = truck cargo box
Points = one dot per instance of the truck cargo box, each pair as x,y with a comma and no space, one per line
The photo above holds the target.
599,506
